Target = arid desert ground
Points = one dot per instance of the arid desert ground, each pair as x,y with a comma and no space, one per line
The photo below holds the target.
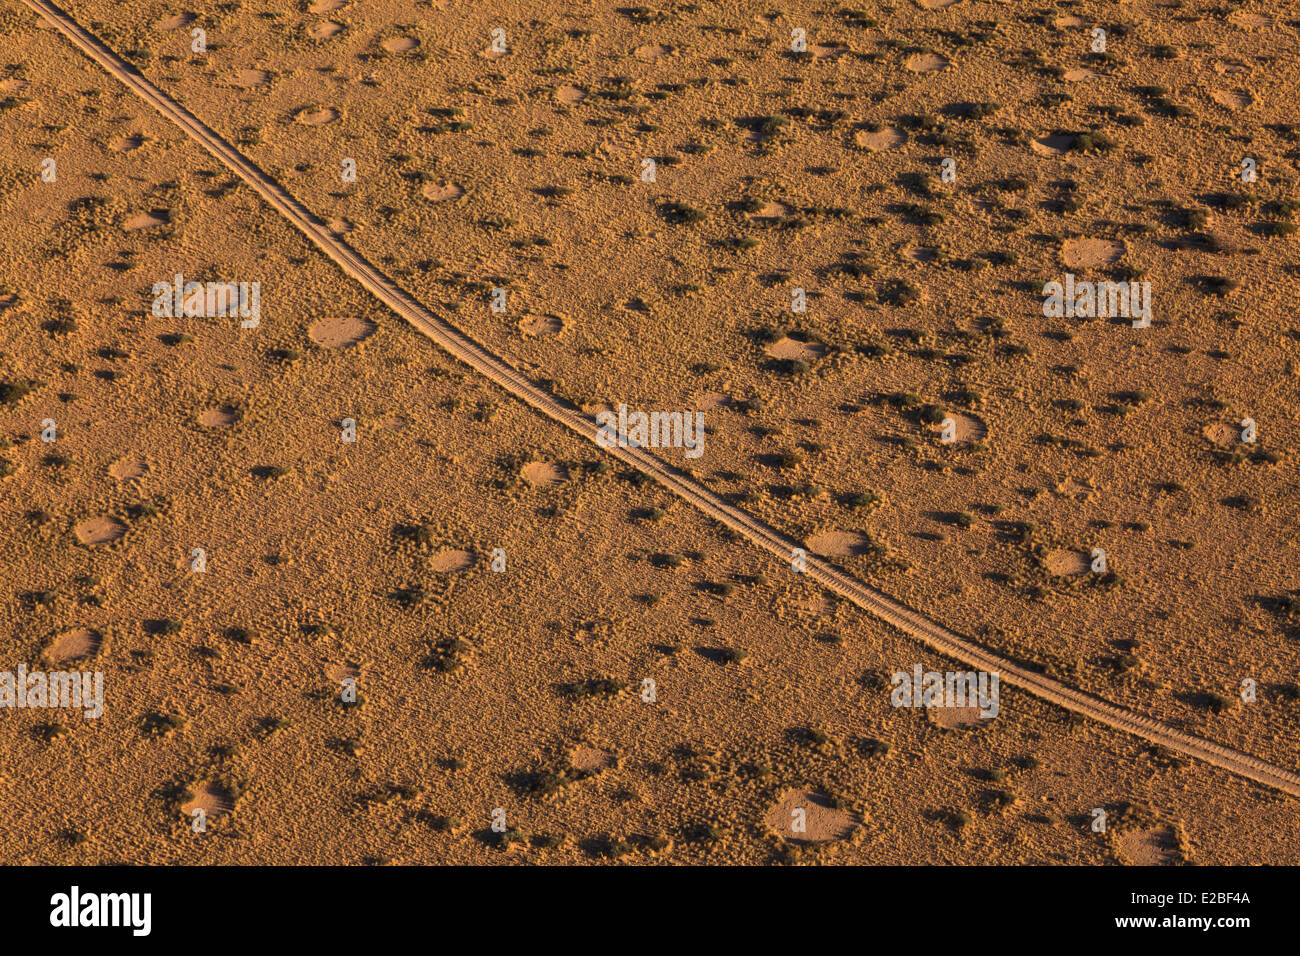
356,602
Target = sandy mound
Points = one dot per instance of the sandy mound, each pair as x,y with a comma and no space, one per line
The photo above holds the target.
126,144
452,560
341,331
339,227
326,6
100,530
839,544
247,79
147,220
1067,563
13,85
442,192
652,51
570,95
888,138
590,760
793,349
544,474
822,821
1052,145
1091,253
541,324
128,469
926,63
75,645
400,44
1232,99
1221,433
213,799
958,718
221,417
1155,847
324,30
316,116
937,4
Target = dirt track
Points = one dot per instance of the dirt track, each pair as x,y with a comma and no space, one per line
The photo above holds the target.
512,381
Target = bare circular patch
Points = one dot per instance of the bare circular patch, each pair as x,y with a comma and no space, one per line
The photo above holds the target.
1091,253
885,139
221,417
828,51
442,192
927,63
957,718
968,428
1078,76
1052,145
541,324
13,85
1067,563
176,21
339,227
342,670
544,474
449,559
590,760
840,544
316,116
214,800
652,51
100,530
713,401
147,220
341,331
326,6
1155,847
570,95
772,212
1232,99
1221,433
937,4
1250,21
125,144
400,44
247,79
75,645
818,821
324,30
793,349
128,469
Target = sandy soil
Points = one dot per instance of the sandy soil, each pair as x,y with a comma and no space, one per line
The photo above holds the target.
371,560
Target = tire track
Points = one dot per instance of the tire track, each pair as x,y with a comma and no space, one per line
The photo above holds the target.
471,353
